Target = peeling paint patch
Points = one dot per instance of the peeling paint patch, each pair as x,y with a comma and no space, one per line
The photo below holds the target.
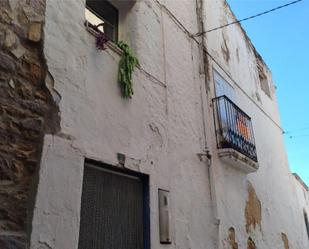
253,210
285,241
250,244
157,139
232,238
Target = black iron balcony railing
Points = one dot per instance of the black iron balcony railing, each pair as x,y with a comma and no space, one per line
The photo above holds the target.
233,127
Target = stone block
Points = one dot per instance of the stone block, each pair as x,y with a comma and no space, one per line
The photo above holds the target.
32,124
18,52
35,32
5,169
36,106
7,62
4,4
38,5
36,71
12,242
32,15
10,40
19,30
12,84
18,170
6,16
13,4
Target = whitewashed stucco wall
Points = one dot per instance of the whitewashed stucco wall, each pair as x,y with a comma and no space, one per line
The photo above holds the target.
160,129
272,182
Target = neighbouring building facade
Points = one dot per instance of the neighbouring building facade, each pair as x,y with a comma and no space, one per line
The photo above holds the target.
195,159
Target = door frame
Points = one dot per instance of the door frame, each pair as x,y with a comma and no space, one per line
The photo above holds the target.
146,193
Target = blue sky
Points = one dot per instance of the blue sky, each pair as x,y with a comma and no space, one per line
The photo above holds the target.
282,38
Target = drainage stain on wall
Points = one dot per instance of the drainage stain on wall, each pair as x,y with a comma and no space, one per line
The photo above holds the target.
253,210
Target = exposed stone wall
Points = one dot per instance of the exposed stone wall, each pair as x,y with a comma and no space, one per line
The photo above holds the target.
25,107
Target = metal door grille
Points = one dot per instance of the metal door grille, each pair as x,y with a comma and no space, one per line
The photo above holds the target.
233,127
111,210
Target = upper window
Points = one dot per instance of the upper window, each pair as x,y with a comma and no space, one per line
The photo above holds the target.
103,16
264,82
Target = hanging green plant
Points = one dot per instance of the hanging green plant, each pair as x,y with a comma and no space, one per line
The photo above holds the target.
127,64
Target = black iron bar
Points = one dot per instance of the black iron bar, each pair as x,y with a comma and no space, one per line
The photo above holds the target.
233,127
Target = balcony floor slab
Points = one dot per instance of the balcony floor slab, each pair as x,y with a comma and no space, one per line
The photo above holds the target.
238,160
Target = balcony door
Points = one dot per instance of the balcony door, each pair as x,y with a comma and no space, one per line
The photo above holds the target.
222,87
113,210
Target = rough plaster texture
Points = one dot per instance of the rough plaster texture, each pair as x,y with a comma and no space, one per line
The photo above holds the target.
162,129
273,189
57,207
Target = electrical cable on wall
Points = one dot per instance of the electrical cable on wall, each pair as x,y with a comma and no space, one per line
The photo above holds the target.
298,136
293,131
248,18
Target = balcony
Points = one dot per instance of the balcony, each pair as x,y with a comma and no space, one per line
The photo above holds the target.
234,135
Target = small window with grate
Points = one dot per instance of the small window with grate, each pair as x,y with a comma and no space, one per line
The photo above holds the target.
104,17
